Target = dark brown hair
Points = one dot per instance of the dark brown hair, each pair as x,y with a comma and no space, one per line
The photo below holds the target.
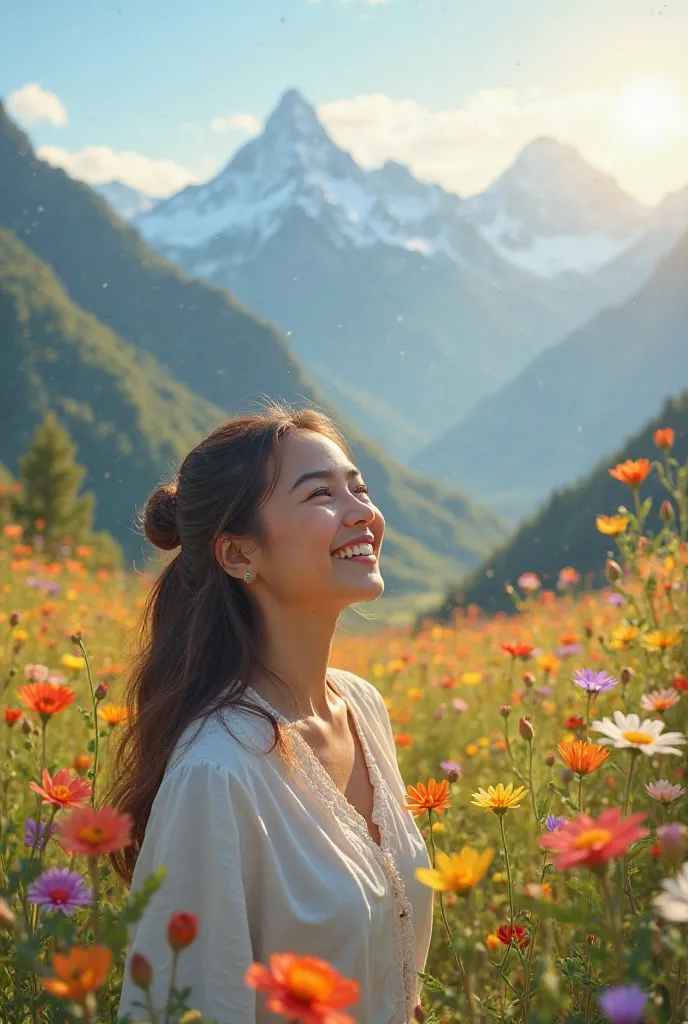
199,634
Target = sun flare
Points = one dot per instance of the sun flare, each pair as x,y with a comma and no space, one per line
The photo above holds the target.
650,112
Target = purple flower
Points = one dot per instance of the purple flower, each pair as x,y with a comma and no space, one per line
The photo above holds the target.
625,1004
552,823
545,691
60,889
593,682
451,766
30,838
568,650
616,600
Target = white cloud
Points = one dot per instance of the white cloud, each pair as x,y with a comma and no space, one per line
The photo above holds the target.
246,123
33,103
464,148
97,164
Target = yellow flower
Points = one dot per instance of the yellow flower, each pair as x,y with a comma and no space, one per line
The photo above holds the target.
20,635
660,639
499,798
456,872
72,661
499,878
611,525
113,714
493,941
549,663
471,678
413,693
438,826
483,742
471,749
622,635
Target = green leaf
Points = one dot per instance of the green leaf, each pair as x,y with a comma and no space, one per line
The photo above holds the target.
430,982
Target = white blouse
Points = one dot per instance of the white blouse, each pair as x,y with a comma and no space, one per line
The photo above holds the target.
272,859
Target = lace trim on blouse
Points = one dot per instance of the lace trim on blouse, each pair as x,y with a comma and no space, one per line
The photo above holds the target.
340,809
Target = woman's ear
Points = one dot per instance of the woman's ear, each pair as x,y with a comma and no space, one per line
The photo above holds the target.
231,557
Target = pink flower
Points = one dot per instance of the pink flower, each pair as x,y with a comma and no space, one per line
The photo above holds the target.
588,841
459,704
529,581
664,791
95,832
36,673
63,791
659,700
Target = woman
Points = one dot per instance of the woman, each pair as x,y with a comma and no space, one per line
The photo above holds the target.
266,781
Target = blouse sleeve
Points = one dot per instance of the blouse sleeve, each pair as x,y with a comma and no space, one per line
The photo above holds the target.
195,833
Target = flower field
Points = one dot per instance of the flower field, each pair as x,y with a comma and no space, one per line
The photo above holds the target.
545,758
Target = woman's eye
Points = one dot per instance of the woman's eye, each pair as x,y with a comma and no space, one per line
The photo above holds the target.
362,488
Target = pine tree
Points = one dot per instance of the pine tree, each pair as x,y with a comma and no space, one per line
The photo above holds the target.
51,479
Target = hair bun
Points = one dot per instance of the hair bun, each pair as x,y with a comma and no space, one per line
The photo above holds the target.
160,518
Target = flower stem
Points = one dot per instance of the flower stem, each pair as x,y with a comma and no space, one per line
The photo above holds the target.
455,954
507,864
627,797
173,975
532,788
94,705
616,930
95,876
580,792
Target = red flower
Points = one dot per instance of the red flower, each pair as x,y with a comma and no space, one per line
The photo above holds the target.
574,722
182,929
680,683
61,790
588,841
46,698
664,438
518,650
12,715
518,935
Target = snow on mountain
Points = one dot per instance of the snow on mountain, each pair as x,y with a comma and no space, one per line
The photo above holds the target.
127,202
551,213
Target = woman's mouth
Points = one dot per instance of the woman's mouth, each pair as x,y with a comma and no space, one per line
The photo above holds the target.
356,553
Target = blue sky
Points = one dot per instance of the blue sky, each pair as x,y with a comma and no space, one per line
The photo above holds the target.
454,88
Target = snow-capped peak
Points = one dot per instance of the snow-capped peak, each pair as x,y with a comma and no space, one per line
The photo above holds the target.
552,212
127,202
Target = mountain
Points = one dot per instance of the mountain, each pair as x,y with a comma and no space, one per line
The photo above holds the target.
124,328
550,425
563,533
389,297
551,213
127,202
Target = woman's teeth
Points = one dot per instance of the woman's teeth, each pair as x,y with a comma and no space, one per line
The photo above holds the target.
356,549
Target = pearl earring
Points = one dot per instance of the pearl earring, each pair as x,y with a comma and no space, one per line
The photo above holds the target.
249,577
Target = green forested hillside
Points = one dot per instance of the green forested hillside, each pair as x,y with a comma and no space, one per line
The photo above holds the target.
563,532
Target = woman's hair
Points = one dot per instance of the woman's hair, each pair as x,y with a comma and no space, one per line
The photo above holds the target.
199,633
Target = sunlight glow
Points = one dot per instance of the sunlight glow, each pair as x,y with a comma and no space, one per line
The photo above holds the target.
650,112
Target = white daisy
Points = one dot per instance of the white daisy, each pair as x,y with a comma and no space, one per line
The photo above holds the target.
628,732
672,904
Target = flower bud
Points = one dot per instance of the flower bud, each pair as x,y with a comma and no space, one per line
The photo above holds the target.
453,776
419,1014
76,637
505,710
26,727
549,760
81,764
588,630
15,619
140,970
101,691
525,728
666,512
626,676
182,929
528,679
551,785
613,570
566,775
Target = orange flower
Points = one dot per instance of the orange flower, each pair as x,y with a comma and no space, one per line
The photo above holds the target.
81,763
95,832
46,698
549,663
517,650
304,988
664,438
582,758
62,791
12,715
81,971
12,530
631,472
403,739
434,797
182,929
611,525
113,714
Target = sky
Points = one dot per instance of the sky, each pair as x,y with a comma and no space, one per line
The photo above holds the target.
160,93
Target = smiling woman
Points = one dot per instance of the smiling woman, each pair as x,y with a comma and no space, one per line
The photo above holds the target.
263,779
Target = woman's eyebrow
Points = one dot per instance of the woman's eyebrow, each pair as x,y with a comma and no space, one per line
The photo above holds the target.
323,474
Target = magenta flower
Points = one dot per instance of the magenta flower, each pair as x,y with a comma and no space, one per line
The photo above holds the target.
594,682
451,766
625,1004
60,889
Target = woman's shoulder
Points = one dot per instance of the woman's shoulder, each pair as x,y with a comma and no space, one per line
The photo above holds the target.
361,690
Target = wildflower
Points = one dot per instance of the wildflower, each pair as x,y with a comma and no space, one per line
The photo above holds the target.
304,988
680,683
568,576
672,839
95,832
499,799
631,472
182,929
661,639
664,791
456,872
672,904
73,661
60,889
472,749
552,822
518,935
594,682
664,438
622,635
471,678
568,650
589,842
79,972
36,673
574,722
30,837
452,766
624,1004
140,970
659,700
518,650
63,791
81,764
582,758
403,739
434,797
113,714
12,716
492,941
46,698
612,526
549,663
529,581
525,729
628,732
459,705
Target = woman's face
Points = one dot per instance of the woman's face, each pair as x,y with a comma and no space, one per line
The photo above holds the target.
319,506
